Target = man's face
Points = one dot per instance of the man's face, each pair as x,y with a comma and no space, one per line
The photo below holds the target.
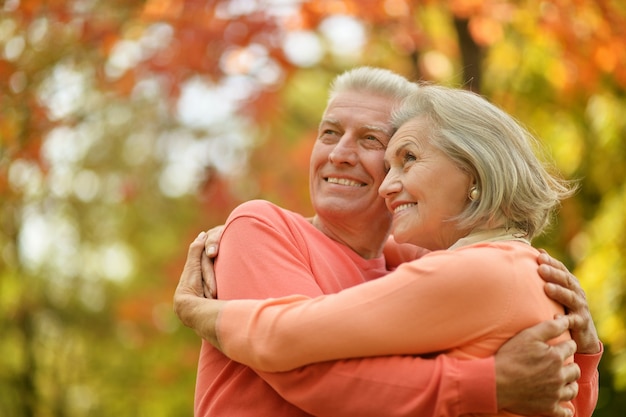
347,159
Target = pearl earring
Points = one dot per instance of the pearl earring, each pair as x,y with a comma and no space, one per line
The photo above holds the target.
474,194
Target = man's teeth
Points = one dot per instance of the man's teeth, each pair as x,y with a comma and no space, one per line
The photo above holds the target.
343,181
403,207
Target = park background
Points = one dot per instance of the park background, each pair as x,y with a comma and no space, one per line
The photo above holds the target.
127,126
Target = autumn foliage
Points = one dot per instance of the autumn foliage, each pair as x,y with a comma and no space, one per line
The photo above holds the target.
128,126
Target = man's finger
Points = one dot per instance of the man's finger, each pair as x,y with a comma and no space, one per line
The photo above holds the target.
547,330
562,295
552,274
545,259
571,374
565,350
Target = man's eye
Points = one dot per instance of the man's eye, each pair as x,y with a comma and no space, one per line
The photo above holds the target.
374,142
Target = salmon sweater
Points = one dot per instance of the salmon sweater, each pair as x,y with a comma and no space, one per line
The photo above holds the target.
464,303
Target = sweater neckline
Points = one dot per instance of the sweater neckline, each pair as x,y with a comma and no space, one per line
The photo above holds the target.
492,235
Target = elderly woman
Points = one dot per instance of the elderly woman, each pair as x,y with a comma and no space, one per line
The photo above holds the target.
462,181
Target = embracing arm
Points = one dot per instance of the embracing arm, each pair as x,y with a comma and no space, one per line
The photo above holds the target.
189,303
565,288
415,309
524,387
396,253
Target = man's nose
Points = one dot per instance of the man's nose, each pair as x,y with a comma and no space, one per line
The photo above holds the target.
345,151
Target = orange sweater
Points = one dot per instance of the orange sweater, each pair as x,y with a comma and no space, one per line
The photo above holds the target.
465,302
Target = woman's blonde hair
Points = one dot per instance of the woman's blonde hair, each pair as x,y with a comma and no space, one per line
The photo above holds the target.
516,190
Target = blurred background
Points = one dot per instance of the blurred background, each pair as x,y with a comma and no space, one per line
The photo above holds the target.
127,126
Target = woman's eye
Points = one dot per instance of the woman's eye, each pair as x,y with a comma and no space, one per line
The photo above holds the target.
409,157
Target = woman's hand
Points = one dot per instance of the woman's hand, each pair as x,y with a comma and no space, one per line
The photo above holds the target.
563,287
211,244
190,305
190,287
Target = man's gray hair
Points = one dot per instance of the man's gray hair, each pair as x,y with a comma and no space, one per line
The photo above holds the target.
377,81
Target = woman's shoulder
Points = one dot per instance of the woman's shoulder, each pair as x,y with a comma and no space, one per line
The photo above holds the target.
485,260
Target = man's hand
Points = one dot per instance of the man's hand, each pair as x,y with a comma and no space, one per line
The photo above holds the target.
531,378
563,287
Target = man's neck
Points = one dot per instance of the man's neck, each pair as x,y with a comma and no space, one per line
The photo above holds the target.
367,240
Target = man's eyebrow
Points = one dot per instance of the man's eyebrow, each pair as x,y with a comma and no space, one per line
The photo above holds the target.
382,129
333,122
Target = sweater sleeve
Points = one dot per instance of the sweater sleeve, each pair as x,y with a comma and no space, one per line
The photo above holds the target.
391,386
396,253
588,384
431,305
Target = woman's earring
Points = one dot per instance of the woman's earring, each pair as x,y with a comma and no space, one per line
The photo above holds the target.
474,194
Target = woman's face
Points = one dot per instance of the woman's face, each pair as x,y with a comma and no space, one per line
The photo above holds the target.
423,188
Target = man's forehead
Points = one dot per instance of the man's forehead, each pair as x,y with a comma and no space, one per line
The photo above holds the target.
385,128
365,99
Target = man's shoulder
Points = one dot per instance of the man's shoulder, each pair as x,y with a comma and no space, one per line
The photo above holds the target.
264,211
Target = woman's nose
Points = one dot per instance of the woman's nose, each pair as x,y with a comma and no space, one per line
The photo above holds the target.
390,185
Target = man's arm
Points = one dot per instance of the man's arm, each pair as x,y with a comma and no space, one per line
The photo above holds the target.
530,375
565,288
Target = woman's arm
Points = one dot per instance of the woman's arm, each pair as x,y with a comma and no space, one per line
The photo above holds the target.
397,254
443,301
